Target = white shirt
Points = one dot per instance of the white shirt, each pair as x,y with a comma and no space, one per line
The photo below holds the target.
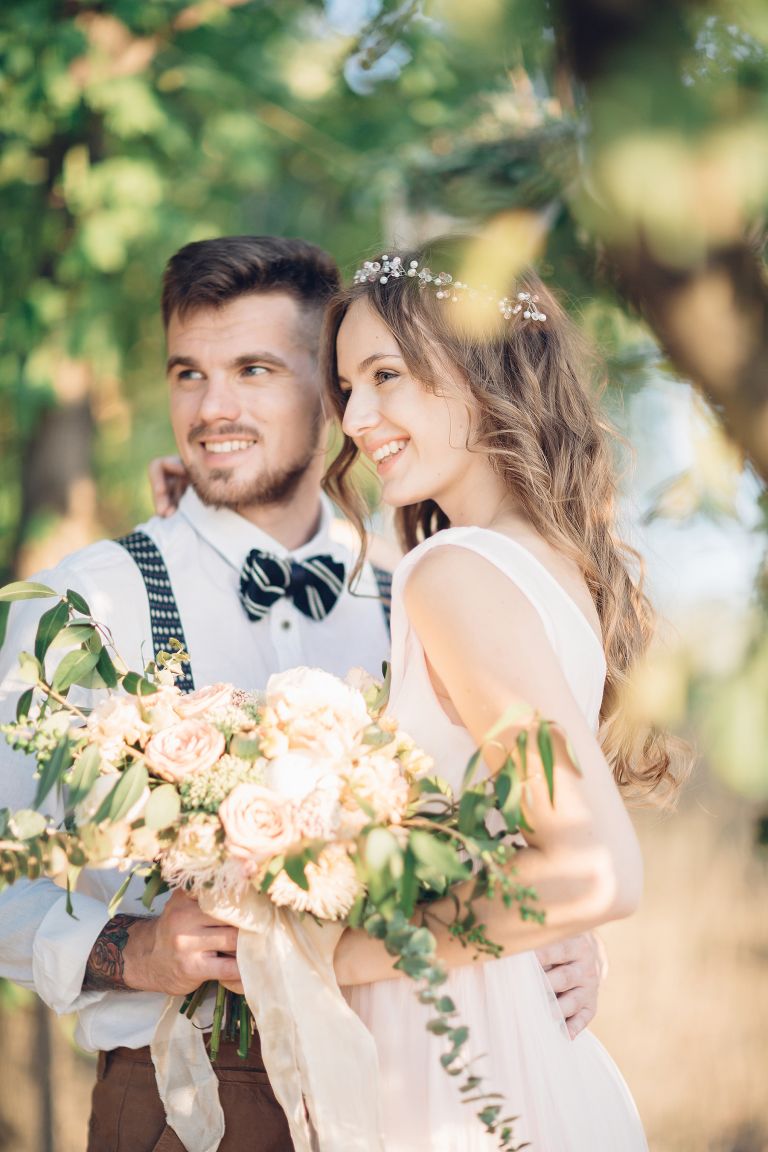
41,945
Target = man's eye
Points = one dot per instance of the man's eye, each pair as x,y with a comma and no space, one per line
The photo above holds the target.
189,374
254,370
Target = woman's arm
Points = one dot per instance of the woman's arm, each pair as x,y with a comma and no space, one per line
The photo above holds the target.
488,649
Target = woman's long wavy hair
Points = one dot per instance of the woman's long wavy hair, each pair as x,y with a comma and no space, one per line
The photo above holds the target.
535,418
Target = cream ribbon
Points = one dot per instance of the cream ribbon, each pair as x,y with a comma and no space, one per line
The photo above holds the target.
320,1057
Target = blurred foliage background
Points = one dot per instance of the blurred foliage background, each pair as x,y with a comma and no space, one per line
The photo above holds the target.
620,144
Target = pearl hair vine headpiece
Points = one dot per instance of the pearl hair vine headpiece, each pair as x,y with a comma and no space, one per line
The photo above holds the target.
446,288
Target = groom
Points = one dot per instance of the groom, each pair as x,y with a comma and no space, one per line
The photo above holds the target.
242,318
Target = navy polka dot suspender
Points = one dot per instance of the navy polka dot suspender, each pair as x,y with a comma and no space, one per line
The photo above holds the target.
163,611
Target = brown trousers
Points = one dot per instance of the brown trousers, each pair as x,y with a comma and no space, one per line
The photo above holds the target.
127,1113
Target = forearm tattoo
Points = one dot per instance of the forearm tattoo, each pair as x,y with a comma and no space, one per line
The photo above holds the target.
104,970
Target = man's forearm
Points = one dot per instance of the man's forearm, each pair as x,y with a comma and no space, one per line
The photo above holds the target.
105,970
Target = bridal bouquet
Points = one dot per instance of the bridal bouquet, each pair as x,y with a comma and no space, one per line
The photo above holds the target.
291,814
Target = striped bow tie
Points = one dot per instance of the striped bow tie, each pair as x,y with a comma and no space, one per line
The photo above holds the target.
314,585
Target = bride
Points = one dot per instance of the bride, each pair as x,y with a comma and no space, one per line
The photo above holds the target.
514,588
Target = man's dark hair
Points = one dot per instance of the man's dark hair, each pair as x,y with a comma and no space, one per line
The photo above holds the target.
212,273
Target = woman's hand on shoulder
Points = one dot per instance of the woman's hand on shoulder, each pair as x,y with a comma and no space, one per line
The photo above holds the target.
168,479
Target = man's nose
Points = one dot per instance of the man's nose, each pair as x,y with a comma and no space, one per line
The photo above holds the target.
220,400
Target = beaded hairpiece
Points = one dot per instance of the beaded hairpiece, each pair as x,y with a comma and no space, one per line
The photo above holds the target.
446,288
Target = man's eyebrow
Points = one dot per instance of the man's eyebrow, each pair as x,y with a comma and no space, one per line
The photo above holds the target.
369,360
239,362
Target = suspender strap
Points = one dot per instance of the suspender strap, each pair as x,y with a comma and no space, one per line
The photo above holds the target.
163,610
384,582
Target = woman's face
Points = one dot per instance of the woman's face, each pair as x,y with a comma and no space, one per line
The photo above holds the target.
416,438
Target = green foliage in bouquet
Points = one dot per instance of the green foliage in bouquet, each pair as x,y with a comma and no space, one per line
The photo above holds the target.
377,849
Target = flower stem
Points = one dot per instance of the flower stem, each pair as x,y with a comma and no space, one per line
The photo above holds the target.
218,1017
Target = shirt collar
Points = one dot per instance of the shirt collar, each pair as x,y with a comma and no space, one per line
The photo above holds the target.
233,537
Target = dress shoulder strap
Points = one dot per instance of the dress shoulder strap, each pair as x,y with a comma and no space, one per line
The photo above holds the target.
163,609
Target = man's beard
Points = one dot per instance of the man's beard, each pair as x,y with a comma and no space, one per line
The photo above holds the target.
220,489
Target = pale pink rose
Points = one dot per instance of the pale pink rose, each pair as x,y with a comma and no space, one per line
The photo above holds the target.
318,816
333,886
161,708
209,699
317,710
257,823
184,747
377,782
195,854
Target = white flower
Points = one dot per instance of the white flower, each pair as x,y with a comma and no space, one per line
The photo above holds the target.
295,774
333,886
195,854
115,722
377,783
317,710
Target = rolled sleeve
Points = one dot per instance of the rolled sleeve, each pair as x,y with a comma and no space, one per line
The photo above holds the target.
61,949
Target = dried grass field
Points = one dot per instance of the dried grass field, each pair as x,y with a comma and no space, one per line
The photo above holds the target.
684,1009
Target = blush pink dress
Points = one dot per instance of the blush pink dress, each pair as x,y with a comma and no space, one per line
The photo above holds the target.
569,1095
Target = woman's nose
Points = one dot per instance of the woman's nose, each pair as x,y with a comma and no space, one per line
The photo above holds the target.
360,414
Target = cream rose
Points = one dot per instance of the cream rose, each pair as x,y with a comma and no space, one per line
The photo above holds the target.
257,823
209,699
116,722
184,747
295,774
317,710
378,783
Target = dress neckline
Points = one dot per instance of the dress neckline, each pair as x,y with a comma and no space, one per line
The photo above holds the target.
539,564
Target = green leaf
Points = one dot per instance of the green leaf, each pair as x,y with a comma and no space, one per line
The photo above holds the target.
162,808
77,602
295,867
124,795
244,747
380,847
473,808
49,626
30,668
153,887
437,855
546,751
409,885
5,611
83,775
138,685
24,704
471,768
114,903
522,752
53,770
74,634
25,590
27,824
73,668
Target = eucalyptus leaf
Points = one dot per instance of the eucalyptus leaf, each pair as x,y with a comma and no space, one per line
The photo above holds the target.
546,751
438,855
138,685
5,611
83,775
380,847
106,668
124,795
30,669
244,747
73,634
153,886
77,602
162,808
114,903
295,866
72,668
49,626
25,590
52,772
24,703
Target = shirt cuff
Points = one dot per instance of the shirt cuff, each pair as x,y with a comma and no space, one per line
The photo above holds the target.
61,949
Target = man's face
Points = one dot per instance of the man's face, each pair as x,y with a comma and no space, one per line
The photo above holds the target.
246,403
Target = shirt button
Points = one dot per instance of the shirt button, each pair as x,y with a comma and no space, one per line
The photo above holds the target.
285,625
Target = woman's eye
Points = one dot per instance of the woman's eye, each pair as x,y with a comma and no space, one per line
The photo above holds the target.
382,375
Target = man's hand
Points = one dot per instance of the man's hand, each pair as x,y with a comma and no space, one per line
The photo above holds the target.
575,968
168,479
174,952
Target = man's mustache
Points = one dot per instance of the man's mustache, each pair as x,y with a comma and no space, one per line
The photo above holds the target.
202,431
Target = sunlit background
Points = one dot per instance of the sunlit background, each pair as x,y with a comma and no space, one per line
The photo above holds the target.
624,149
